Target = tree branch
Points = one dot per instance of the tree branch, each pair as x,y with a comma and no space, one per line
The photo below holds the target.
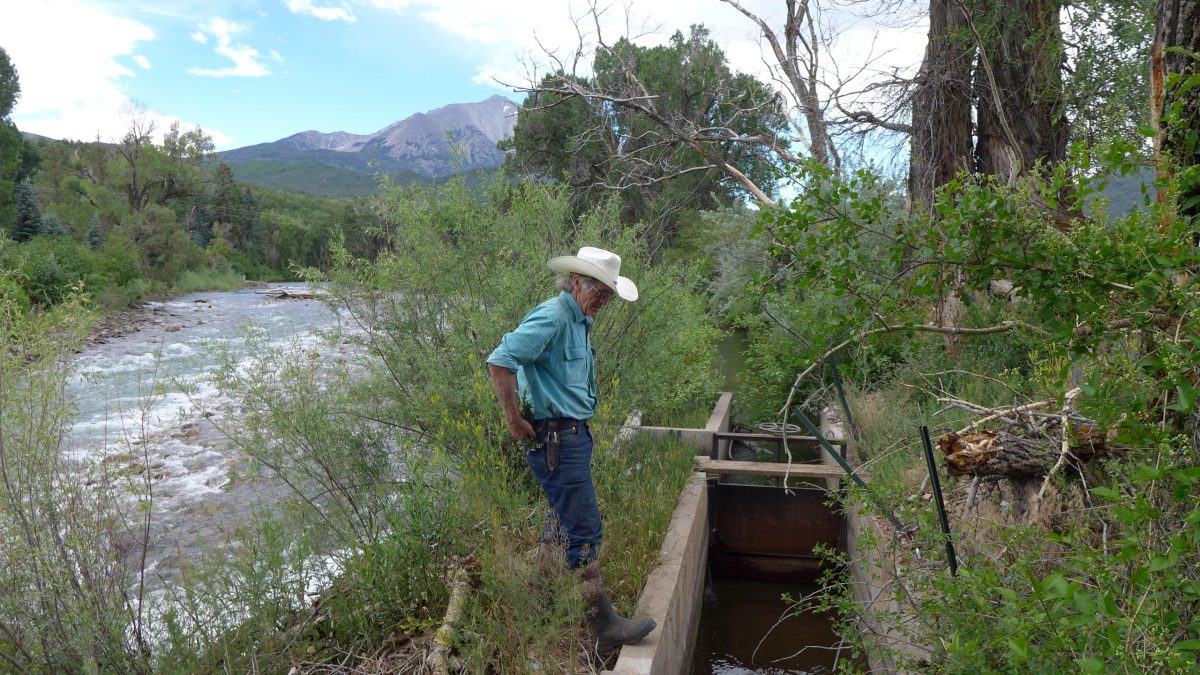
950,330
867,117
1065,450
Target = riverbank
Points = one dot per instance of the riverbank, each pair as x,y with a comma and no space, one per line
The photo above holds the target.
123,322
151,312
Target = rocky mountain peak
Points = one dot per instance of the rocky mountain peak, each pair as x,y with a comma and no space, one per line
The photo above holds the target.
443,141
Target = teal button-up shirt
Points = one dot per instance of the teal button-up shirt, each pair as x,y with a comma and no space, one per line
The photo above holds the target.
552,356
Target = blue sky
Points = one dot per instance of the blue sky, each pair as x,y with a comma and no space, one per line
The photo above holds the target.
254,71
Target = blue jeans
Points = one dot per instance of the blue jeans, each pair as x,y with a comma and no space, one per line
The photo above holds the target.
570,492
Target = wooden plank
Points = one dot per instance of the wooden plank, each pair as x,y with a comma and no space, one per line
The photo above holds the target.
724,466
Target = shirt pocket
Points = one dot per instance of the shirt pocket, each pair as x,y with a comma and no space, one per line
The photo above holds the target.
575,363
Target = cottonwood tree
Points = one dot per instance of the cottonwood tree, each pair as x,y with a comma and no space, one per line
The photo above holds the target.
1018,80
1175,73
989,95
155,174
941,106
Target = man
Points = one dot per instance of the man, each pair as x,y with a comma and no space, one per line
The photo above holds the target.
547,361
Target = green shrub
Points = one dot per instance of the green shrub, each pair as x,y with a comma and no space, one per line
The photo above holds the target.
119,263
1103,574
12,291
120,297
399,460
64,576
51,266
458,272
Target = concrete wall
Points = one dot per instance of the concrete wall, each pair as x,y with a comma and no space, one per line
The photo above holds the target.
674,590
718,420
870,582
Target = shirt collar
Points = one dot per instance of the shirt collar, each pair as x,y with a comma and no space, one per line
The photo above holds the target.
576,312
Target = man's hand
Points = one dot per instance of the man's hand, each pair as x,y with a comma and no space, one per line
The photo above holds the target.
520,428
504,381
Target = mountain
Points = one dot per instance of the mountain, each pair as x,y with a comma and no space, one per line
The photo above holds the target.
456,138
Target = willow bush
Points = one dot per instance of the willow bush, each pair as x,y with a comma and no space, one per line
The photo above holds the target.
69,597
458,271
397,459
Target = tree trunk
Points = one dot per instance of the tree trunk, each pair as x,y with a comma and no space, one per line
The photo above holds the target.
1003,453
1018,84
941,107
1177,24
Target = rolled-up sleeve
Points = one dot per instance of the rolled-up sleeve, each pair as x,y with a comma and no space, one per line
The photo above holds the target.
527,342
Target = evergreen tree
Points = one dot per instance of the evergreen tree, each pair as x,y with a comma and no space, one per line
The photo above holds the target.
662,157
11,143
52,226
199,225
95,233
28,221
248,226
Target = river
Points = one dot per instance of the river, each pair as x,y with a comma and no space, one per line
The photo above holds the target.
135,417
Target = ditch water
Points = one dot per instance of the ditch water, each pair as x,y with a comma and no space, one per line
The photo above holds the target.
731,361
133,415
747,627
751,626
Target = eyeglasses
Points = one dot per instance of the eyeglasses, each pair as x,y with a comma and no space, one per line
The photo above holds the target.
601,291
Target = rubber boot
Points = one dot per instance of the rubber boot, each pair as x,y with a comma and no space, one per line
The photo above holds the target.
609,630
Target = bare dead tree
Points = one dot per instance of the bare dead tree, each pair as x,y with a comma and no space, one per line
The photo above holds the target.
798,58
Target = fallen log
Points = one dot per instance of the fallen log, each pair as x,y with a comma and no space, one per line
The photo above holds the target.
1003,453
460,580
284,294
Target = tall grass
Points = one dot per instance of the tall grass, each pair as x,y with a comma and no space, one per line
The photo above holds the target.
509,627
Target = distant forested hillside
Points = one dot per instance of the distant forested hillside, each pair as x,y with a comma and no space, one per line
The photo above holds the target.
313,178
156,213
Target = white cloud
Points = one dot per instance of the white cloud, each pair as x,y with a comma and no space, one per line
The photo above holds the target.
307,8
64,95
518,46
200,37
244,57
67,96
275,56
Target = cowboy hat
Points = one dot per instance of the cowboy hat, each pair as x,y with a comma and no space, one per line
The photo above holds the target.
603,266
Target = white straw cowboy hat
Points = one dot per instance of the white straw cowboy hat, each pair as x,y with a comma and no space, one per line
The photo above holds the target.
603,266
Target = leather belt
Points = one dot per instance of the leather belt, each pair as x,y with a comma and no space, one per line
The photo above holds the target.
558,424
